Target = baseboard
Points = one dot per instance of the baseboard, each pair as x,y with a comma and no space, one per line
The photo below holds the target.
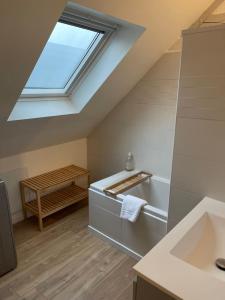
120,246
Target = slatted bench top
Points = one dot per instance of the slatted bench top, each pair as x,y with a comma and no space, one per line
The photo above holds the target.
53,178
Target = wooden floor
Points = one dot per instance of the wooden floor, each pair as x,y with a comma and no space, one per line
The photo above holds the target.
66,262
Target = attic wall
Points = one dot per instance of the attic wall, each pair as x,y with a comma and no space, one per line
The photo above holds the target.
18,167
142,123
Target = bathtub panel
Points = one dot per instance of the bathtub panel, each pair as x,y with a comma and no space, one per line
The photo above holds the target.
139,237
104,202
144,234
107,223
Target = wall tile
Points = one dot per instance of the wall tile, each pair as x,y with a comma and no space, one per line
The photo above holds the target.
199,153
203,54
202,139
177,208
144,123
199,175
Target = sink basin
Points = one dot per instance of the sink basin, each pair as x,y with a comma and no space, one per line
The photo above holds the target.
203,244
182,264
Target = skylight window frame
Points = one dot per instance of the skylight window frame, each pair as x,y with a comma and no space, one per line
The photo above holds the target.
70,17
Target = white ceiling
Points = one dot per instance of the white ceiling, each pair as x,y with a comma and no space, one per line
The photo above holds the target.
24,29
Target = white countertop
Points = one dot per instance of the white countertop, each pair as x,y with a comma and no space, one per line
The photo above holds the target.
175,276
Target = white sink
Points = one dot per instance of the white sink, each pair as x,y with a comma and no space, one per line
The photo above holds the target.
182,264
203,244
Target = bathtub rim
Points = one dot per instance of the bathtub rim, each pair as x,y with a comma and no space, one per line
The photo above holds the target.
148,209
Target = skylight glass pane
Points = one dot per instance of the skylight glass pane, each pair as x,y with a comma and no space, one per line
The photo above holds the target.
63,53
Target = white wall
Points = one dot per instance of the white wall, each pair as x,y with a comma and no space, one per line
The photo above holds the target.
142,123
17,167
199,151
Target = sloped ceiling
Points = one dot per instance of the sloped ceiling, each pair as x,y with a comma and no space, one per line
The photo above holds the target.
24,29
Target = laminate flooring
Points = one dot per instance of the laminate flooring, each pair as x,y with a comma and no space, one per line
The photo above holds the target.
66,262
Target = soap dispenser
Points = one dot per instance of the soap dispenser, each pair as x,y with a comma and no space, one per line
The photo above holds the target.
130,162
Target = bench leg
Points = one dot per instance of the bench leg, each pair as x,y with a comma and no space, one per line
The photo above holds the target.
23,199
40,221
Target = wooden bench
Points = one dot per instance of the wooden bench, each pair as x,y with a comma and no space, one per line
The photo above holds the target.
46,201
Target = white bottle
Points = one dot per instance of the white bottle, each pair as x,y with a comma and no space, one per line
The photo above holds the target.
130,162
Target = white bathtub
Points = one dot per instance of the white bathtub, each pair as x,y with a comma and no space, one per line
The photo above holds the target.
136,238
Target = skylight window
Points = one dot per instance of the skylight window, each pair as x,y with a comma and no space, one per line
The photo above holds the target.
70,51
65,51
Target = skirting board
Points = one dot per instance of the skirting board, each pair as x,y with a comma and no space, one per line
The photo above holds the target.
114,243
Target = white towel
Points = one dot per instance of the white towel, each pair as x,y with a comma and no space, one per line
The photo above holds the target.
131,208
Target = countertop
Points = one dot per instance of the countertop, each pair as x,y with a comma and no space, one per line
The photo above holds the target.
174,276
